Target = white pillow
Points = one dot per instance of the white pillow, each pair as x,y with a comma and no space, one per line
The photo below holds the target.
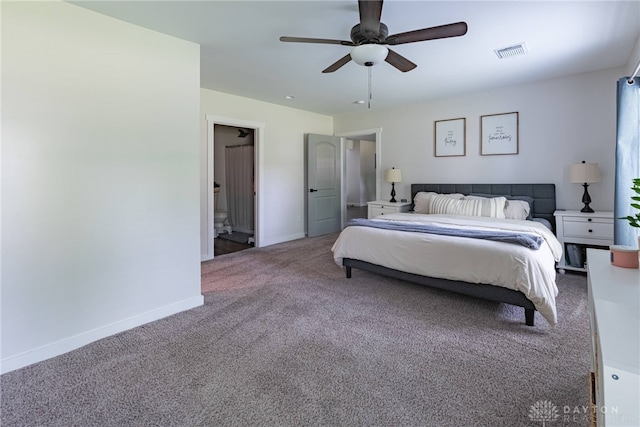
422,201
516,209
472,206
513,209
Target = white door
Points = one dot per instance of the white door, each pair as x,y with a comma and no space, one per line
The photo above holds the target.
323,185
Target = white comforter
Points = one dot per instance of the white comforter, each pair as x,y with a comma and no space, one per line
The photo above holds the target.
512,266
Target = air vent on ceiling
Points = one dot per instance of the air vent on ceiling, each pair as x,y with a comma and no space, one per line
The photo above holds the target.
511,51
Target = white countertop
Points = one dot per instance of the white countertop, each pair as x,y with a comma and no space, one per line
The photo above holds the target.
615,292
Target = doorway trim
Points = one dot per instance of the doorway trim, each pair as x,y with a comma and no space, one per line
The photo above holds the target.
347,135
258,139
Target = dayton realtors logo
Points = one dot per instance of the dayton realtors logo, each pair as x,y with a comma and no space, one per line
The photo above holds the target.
543,411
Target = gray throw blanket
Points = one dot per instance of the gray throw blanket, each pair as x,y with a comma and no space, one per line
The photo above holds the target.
527,240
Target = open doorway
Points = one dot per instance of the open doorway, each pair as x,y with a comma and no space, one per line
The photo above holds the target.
220,129
234,183
360,174
361,171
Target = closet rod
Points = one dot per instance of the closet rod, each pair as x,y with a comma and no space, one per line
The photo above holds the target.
635,73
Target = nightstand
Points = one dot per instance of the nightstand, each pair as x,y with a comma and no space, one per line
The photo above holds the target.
380,207
578,231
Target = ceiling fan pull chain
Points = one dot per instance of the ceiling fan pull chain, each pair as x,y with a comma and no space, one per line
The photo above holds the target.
369,104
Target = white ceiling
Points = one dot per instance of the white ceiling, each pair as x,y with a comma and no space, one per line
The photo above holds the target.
241,53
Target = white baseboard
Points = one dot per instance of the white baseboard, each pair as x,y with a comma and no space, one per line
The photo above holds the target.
68,344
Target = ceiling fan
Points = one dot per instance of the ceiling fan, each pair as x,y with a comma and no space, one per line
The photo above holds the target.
370,36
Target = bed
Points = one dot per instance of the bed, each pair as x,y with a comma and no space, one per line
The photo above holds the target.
516,274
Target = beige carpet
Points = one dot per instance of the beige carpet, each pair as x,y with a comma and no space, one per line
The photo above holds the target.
285,340
260,266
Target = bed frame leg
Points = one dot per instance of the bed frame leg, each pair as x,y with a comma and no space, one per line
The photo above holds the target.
348,272
528,316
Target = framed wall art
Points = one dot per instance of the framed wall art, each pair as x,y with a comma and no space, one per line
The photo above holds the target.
450,137
499,134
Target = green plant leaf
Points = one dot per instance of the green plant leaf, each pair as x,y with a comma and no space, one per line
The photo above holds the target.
634,220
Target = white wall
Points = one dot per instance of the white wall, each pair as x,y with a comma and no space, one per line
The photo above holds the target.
100,178
634,58
282,162
562,121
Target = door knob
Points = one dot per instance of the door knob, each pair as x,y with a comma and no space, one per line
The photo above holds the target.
311,190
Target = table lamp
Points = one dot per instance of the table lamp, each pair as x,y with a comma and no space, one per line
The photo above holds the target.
393,175
585,173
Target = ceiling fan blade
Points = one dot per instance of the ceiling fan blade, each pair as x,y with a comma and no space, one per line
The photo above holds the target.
339,63
370,13
311,40
399,61
440,32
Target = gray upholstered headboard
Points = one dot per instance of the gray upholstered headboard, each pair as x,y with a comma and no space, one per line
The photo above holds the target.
544,195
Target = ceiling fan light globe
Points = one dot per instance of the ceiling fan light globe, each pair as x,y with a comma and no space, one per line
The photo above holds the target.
369,54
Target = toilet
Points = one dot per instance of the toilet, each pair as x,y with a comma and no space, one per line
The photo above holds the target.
220,222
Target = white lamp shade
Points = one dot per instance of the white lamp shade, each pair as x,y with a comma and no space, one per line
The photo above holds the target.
393,175
369,54
584,173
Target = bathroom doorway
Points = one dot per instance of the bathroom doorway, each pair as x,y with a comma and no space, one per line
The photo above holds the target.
361,168
234,188
256,129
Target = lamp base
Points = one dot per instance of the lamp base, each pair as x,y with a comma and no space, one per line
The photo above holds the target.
393,193
586,199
